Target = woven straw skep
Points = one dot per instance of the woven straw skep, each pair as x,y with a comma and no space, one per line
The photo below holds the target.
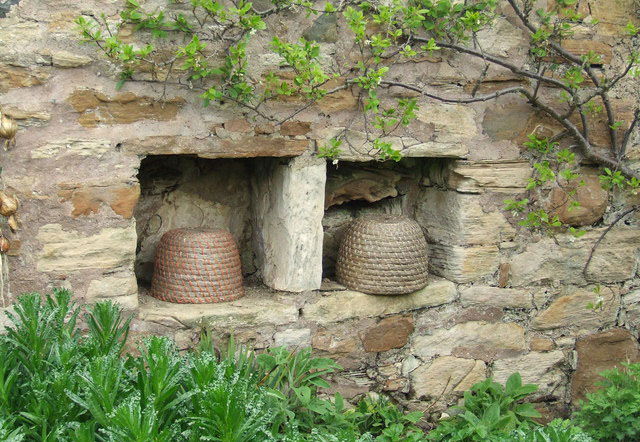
197,266
383,255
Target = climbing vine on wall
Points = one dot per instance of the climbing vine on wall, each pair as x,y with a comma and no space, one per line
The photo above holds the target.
202,45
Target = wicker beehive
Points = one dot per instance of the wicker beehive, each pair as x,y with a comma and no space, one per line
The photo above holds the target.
196,266
383,255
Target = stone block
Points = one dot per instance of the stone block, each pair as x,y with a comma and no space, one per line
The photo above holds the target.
571,311
453,218
288,202
477,177
97,148
589,193
598,352
446,375
563,258
463,264
254,310
392,332
214,147
70,251
97,108
293,338
543,369
473,339
340,306
487,296
113,286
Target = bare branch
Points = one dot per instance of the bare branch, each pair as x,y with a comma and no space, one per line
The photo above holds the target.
606,231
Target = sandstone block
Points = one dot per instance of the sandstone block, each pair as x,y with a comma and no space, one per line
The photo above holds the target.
389,333
114,286
463,264
541,344
17,76
89,199
253,310
340,306
473,339
477,177
447,375
293,338
69,251
453,218
598,352
614,260
66,59
83,148
293,128
237,125
97,108
571,311
496,297
592,198
542,369
288,201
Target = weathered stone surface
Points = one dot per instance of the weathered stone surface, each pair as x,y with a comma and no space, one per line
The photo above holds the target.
592,197
463,264
97,108
255,309
451,123
506,119
112,287
541,344
72,147
213,147
445,375
351,183
69,251
17,76
477,177
542,369
496,297
631,305
389,333
473,339
237,125
339,306
86,200
598,352
293,337
563,259
453,218
65,59
293,128
324,29
288,200
571,311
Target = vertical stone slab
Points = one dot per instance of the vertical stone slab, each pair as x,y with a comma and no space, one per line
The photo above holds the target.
288,204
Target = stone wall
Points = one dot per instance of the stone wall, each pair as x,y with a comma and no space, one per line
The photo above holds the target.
500,299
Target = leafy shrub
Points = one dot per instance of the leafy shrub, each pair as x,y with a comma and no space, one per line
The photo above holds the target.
558,430
490,412
612,413
59,385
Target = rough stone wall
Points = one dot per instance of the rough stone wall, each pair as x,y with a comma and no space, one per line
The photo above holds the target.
500,299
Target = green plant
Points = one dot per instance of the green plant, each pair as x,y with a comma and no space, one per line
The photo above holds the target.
382,419
58,384
612,413
557,430
490,412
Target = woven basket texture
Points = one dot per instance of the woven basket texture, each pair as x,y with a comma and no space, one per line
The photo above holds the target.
383,255
197,266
